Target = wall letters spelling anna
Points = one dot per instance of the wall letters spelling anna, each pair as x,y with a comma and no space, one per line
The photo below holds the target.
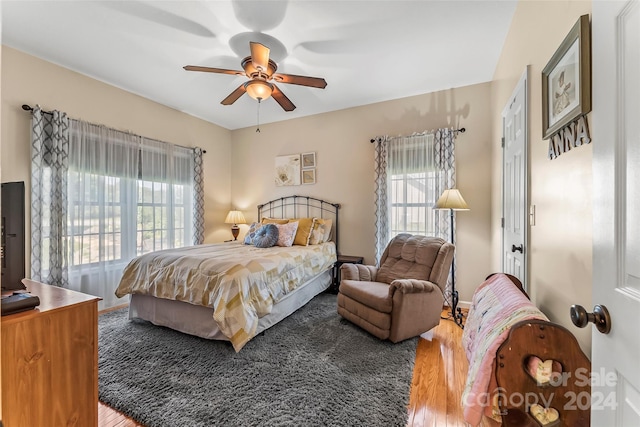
573,135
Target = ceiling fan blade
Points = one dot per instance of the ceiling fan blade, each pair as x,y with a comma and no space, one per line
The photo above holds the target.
300,80
282,99
259,56
213,70
233,96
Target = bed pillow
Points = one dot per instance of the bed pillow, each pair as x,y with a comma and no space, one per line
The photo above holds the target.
305,225
248,238
321,232
286,233
274,220
266,236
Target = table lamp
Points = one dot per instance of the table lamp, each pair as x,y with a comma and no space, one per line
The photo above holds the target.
235,218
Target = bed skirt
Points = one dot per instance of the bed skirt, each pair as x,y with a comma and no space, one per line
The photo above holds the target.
198,320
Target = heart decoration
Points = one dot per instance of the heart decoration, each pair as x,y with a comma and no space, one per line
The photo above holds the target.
543,371
544,416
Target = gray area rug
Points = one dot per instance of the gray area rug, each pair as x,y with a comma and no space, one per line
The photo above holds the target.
311,369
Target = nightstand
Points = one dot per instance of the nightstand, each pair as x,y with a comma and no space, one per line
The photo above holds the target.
342,259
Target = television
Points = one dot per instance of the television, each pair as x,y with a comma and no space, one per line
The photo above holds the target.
12,250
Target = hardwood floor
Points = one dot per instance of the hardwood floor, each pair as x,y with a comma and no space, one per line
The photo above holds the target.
439,375
109,417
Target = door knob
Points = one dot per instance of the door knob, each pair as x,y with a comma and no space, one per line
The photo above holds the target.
516,248
600,317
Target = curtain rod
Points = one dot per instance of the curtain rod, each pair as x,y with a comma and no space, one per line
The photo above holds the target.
27,107
461,130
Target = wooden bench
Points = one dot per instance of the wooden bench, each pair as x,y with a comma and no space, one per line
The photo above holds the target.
539,369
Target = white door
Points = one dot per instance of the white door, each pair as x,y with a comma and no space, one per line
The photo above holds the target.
616,211
514,182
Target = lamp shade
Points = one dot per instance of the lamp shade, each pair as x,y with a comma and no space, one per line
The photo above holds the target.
235,217
452,199
258,89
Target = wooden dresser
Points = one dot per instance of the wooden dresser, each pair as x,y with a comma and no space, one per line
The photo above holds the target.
50,361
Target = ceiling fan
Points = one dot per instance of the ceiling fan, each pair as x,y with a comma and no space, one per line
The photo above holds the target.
262,74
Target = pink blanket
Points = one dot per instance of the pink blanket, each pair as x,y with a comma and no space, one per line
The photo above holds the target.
496,306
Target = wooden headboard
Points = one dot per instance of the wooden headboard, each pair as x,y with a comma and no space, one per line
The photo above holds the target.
302,206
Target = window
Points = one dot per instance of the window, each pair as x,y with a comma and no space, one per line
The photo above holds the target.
411,207
412,183
104,227
161,224
95,218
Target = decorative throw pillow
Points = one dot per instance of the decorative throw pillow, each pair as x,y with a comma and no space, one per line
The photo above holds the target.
274,220
286,233
248,238
305,225
321,231
328,223
266,236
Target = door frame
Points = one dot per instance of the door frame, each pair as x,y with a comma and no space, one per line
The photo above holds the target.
524,80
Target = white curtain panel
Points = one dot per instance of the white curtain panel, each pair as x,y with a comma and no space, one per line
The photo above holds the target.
167,179
103,171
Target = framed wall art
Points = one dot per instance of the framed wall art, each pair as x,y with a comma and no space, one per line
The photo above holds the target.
308,160
309,176
566,80
287,171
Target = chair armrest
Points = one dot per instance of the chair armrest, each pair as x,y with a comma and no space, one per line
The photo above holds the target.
412,286
358,272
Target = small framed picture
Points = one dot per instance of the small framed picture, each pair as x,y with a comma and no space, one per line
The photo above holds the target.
566,80
287,170
309,160
309,176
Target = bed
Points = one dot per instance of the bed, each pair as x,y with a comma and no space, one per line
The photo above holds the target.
233,291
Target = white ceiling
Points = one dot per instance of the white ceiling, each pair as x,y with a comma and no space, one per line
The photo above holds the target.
368,51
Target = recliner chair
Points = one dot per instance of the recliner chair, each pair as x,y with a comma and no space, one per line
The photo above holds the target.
402,298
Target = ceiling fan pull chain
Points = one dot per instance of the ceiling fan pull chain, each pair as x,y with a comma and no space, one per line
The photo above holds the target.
258,128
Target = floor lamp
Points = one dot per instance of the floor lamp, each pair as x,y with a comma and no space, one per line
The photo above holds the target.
452,199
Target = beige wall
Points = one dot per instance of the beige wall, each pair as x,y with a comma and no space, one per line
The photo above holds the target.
345,166
560,242
29,80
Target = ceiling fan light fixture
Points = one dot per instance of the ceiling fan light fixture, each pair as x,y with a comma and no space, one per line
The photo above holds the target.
260,69
259,89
